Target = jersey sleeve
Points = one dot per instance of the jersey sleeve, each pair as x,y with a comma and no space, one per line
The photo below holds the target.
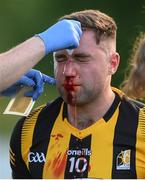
140,145
19,168
142,123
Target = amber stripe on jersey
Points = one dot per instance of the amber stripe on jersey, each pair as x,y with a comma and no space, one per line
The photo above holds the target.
27,133
12,157
141,145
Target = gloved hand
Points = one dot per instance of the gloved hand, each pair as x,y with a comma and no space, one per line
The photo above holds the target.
32,78
65,34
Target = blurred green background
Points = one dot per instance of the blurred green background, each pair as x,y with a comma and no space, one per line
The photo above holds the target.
21,19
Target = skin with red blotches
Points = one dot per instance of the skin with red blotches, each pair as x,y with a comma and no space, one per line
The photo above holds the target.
71,94
69,87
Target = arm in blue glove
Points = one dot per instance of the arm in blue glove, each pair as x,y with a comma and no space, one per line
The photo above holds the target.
17,61
65,34
32,78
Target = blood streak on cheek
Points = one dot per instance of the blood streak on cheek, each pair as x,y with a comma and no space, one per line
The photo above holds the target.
69,87
71,97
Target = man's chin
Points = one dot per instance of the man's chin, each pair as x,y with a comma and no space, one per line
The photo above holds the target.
71,101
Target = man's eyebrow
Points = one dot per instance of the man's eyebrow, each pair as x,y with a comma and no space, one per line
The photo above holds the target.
81,55
59,54
74,55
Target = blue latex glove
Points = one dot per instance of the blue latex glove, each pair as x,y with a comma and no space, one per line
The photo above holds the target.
32,78
65,34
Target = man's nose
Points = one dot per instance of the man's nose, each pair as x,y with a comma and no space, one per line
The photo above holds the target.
69,68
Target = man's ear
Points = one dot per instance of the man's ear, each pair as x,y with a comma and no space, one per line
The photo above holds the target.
114,63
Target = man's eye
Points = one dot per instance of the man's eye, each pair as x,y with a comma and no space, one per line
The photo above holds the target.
60,59
82,59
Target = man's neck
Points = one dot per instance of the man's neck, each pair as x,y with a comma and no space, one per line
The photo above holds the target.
84,116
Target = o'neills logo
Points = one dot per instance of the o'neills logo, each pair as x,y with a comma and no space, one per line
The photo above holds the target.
82,152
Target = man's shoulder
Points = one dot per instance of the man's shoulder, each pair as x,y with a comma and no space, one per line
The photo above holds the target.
133,103
131,108
41,114
127,101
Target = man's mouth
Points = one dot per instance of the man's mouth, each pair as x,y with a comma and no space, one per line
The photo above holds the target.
70,86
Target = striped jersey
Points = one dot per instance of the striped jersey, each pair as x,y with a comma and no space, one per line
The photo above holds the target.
45,145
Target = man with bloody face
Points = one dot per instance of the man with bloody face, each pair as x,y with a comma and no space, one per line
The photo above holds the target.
92,130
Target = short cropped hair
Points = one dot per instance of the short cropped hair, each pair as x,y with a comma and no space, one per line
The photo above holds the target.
103,25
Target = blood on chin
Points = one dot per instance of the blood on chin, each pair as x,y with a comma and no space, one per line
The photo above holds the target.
71,97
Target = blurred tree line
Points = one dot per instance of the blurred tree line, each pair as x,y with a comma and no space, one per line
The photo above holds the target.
21,19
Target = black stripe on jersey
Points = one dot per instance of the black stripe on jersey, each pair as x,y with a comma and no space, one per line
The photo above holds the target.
42,132
64,115
78,157
125,141
113,107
